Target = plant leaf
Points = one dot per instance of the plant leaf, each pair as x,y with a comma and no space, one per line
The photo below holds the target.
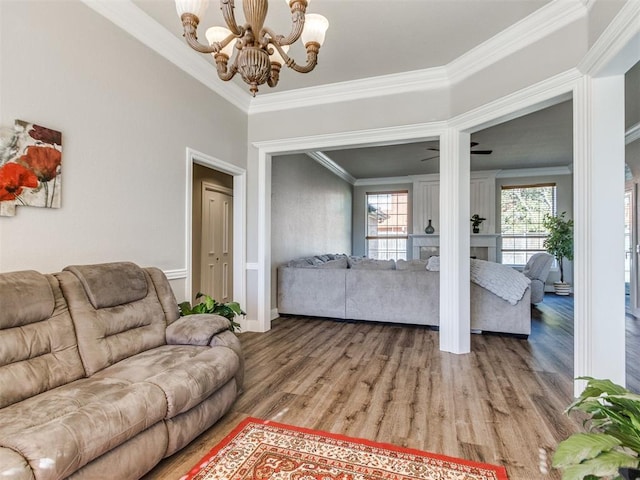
185,309
605,465
582,446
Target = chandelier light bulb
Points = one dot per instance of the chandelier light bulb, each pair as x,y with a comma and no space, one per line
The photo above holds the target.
315,27
276,57
218,34
195,7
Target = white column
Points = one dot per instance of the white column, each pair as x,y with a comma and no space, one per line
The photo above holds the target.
455,181
599,151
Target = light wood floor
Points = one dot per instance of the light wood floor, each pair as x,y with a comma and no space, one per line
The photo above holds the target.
500,404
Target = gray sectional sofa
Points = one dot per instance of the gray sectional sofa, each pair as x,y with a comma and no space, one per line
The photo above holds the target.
100,377
337,286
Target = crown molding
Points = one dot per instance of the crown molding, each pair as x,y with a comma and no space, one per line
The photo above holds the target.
632,134
546,20
616,50
393,84
133,20
362,138
533,172
361,182
534,27
332,166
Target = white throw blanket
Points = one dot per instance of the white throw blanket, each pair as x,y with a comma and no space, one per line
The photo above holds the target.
503,281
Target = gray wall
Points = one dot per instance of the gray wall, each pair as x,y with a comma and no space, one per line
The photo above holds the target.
126,117
564,199
310,212
360,211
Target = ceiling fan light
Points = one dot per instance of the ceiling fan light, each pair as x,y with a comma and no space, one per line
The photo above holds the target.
218,34
315,27
196,7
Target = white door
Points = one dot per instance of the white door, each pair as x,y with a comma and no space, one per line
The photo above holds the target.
216,278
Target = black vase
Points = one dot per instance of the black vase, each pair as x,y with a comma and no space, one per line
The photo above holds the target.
429,230
476,229
630,473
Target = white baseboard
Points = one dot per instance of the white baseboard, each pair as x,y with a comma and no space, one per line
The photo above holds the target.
274,313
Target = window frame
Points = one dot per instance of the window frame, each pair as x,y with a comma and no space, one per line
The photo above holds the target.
528,235
405,236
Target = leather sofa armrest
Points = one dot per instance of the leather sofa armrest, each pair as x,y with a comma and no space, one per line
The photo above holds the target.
198,329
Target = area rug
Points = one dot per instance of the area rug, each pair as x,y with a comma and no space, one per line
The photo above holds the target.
265,450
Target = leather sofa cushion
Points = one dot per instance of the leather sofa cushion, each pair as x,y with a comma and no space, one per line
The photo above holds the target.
36,353
26,298
186,374
110,334
63,429
111,284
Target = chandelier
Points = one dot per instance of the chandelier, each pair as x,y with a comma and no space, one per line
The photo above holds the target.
259,51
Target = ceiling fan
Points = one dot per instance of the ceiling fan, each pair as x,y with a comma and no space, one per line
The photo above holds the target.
473,152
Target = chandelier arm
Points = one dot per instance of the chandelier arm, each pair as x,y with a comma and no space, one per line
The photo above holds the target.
297,25
312,59
229,17
190,25
225,72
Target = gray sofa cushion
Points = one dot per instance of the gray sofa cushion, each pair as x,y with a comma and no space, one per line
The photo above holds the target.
412,265
371,264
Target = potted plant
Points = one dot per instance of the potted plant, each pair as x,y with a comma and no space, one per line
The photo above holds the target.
611,447
559,243
476,220
209,305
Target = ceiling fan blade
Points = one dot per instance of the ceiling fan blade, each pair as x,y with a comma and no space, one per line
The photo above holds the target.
430,158
481,152
433,149
474,144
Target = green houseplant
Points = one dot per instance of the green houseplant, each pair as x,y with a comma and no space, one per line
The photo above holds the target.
611,445
559,243
208,305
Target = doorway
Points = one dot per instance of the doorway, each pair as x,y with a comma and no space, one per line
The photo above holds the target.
235,179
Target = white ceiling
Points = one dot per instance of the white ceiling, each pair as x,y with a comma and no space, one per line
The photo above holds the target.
371,38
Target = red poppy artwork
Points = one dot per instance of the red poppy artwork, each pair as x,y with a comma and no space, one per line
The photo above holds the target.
30,167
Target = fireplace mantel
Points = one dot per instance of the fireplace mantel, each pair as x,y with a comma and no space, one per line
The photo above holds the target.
484,240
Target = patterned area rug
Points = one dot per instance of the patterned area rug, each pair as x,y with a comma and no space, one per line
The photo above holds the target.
264,450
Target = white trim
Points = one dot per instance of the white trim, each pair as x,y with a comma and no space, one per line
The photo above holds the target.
177,274
543,22
383,181
274,314
332,166
133,20
550,91
252,266
393,84
375,137
381,136
632,134
239,220
616,50
533,172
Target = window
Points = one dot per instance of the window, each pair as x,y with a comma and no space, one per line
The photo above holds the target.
523,209
387,225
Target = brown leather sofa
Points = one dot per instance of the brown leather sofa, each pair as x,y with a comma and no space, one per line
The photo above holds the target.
100,377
